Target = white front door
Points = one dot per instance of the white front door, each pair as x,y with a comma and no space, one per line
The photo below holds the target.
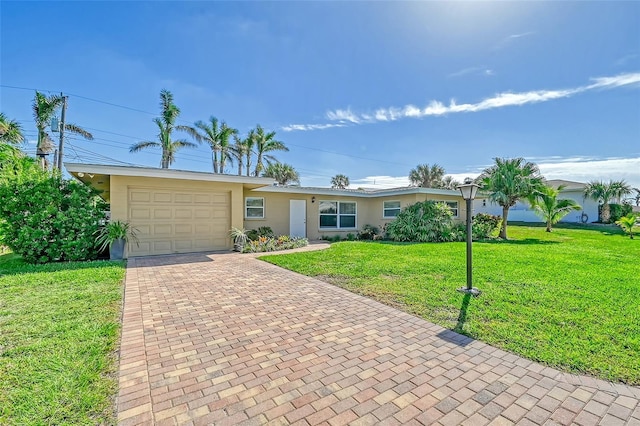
298,218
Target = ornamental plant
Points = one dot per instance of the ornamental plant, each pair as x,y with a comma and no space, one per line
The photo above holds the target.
426,221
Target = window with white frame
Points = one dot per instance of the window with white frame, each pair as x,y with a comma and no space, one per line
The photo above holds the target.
390,209
337,214
453,206
254,208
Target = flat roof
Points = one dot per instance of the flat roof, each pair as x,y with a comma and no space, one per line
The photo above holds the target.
363,193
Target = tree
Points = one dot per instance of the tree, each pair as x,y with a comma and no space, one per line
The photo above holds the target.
546,204
426,176
340,182
217,135
284,174
44,109
636,198
627,223
250,143
605,192
238,151
166,125
509,180
10,131
449,182
264,143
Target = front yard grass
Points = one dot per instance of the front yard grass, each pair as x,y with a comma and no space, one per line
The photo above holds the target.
59,328
569,299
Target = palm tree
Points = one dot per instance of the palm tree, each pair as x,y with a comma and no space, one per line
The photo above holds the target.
426,176
636,198
605,192
217,135
166,123
10,131
44,110
237,151
627,223
340,182
448,182
546,204
284,174
507,181
265,142
250,144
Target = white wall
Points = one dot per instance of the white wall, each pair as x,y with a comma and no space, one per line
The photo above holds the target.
521,212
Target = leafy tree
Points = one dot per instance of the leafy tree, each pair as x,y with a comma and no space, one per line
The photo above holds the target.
14,164
10,131
166,123
284,174
427,221
426,176
546,204
449,182
44,109
509,180
605,192
264,143
217,135
340,182
627,223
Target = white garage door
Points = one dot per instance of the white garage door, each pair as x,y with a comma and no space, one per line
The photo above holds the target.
177,221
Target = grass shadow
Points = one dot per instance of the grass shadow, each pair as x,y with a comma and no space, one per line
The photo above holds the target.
526,241
606,229
456,336
12,264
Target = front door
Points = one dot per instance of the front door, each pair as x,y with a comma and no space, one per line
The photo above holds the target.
298,218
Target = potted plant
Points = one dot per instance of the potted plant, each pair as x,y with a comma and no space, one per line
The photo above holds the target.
115,235
239,237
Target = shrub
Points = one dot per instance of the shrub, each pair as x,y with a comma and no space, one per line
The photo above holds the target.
484,226
46,218
263,231
283,242
368,232
351,237
618,211
426,221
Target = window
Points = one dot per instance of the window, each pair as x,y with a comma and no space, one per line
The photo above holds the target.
453,206
390,209
337,214
484,202
254,208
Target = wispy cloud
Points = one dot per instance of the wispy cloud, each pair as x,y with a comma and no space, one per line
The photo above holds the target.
625,59
347,117
472,70
510,39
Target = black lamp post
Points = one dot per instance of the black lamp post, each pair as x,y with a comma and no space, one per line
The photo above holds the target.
468,190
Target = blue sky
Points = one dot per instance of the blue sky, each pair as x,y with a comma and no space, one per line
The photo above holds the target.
366,89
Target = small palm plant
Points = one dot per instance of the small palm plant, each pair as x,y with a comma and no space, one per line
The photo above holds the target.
114,235
546,205
627,223
239,237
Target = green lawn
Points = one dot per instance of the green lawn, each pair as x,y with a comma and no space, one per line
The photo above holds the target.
569,299
59,328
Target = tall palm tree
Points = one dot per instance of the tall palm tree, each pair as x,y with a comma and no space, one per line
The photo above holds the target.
448,182
44,110
250,144
546,204
340,181
605,192
426,176
284,174
265,142
217,135
166,123
509,180
238,152
10,131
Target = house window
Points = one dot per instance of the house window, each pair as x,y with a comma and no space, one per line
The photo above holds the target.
254,208
391,209
484,202
453,206
337,214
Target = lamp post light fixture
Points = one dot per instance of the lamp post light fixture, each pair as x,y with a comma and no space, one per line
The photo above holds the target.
469,190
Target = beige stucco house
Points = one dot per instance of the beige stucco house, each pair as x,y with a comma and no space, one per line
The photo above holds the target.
178,211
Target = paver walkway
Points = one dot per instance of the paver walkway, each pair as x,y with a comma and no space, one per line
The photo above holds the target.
227,339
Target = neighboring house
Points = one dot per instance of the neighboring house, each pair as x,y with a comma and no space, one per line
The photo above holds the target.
178,211
522,211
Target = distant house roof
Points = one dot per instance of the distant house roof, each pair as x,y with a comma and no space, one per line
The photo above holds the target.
569,185
364,193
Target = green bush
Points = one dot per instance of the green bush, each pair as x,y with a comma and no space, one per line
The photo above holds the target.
283,242
351,237
369,232
263,231
46,218
484,226
618,211
426,221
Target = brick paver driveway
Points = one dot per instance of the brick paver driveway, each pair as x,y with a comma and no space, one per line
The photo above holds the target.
228,339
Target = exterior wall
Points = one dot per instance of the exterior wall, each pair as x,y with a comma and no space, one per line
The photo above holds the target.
369,210
522,212
119,186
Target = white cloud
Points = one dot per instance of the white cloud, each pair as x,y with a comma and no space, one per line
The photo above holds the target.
626,58
437,108
472,70
511,39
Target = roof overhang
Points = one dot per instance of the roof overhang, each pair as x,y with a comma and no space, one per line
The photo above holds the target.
358,193
98,175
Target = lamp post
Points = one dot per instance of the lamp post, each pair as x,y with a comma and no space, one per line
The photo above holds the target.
468,190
